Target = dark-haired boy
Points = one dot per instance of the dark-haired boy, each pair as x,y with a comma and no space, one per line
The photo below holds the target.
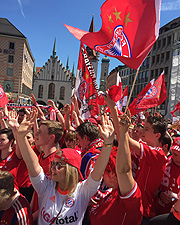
152,162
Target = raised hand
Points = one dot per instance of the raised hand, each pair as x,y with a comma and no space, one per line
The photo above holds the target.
27,124
107,130
67,109
52,104
125,121
13,120
33,99
110,103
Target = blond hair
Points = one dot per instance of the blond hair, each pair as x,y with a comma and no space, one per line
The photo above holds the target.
71,177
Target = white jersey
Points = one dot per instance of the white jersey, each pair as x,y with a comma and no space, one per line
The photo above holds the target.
51,201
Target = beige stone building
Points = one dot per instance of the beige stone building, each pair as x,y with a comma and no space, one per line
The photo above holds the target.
16,61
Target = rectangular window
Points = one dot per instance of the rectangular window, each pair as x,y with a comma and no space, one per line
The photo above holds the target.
10,59
162,57
169,40
153,60
9,72
159,44
147,74
157,59
164,42
11,45
167,56
8,85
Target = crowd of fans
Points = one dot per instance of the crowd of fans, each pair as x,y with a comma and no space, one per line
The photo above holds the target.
108,169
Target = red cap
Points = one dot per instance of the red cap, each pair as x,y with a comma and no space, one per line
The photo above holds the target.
176,144
92,120
72,157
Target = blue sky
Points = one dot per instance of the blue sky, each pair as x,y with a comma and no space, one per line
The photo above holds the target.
42,20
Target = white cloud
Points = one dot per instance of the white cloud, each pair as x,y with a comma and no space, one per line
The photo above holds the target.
171,6
20,4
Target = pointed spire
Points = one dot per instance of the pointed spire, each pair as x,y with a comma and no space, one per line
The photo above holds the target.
34,68
91,52
73,71
67,64
54,48
91,29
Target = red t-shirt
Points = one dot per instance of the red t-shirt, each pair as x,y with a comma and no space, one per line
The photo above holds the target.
149,175
170,182
22,173
118,210
11,163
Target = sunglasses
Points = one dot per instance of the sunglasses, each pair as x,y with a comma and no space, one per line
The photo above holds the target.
57,165
69,139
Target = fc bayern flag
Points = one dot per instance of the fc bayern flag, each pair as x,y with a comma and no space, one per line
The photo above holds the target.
3,98
129,30
86,85
151,96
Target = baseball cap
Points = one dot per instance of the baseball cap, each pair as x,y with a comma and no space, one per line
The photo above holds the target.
72,157
176,144
92,120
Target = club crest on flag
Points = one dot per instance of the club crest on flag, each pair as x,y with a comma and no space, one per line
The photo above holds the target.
118,46
82,91
150,94
1,92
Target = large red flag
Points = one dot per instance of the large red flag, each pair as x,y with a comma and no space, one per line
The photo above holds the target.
3,98
151,96
129,30
86,85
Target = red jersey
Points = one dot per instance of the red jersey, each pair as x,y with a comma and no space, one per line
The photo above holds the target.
170,182
22,173
118,210
18,214
10,163
149,175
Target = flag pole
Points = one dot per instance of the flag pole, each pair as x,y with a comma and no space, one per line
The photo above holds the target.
132,88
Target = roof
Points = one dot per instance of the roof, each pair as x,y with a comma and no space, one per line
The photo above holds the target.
7,28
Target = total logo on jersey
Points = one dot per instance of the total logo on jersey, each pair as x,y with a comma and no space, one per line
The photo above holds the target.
66,220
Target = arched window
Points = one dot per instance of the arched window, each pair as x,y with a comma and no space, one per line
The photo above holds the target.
51,91
62,93
40,91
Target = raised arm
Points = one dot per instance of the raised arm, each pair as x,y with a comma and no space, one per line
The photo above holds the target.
2,121
40,112
58,113
123,158
67,110
114,113
75,101
107,132
27,152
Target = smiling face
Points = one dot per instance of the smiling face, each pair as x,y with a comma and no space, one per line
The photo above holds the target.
58,170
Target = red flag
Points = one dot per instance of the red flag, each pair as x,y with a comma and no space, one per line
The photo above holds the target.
100,99
129,30
115,92
3,98
123,101
150,96
86,85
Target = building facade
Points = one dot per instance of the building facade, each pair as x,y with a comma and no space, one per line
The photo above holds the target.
164,56
16,61
104,73
53,82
